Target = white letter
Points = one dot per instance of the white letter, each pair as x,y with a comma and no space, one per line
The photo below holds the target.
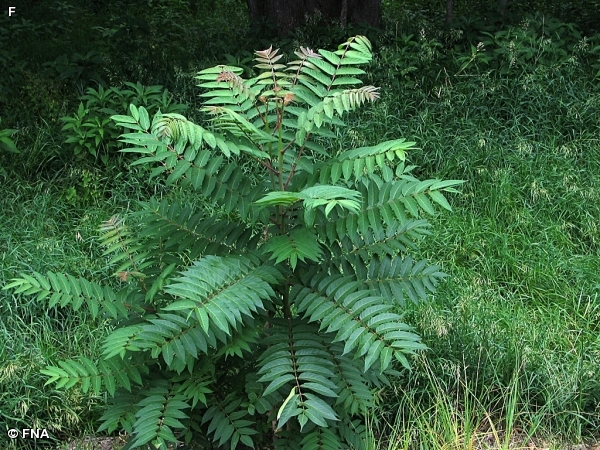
11,10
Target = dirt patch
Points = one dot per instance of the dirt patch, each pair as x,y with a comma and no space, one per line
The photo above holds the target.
520,441
489,441
97,443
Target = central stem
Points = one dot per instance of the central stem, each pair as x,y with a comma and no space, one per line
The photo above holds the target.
279,108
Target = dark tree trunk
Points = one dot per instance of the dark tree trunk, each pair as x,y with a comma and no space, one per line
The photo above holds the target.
503,7
365,11
449,7
289,14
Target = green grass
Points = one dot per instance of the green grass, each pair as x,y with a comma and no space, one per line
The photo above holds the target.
514,333
43,228
40,231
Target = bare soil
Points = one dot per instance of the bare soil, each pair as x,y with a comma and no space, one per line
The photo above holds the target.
484,442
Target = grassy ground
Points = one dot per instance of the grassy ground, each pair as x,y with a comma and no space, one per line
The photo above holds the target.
513,333
40,231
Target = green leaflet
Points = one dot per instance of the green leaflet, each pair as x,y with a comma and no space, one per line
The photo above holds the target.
279,198
300,244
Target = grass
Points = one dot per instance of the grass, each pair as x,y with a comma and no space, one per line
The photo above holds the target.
439,414
40,231
43,228
513,334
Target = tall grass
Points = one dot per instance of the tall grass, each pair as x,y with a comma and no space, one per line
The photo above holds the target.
44,227
513,335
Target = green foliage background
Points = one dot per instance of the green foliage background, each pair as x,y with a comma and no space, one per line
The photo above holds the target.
515,326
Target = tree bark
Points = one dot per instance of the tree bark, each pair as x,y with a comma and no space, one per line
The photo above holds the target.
367,12
449,7
503,7
289,14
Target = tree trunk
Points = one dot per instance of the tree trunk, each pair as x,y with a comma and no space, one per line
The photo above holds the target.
503,7
289,14
449,7
367,12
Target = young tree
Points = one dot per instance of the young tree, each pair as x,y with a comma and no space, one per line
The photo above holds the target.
275,313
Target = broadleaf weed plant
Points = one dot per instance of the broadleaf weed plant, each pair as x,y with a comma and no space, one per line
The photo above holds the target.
275,318
91,131
536,41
